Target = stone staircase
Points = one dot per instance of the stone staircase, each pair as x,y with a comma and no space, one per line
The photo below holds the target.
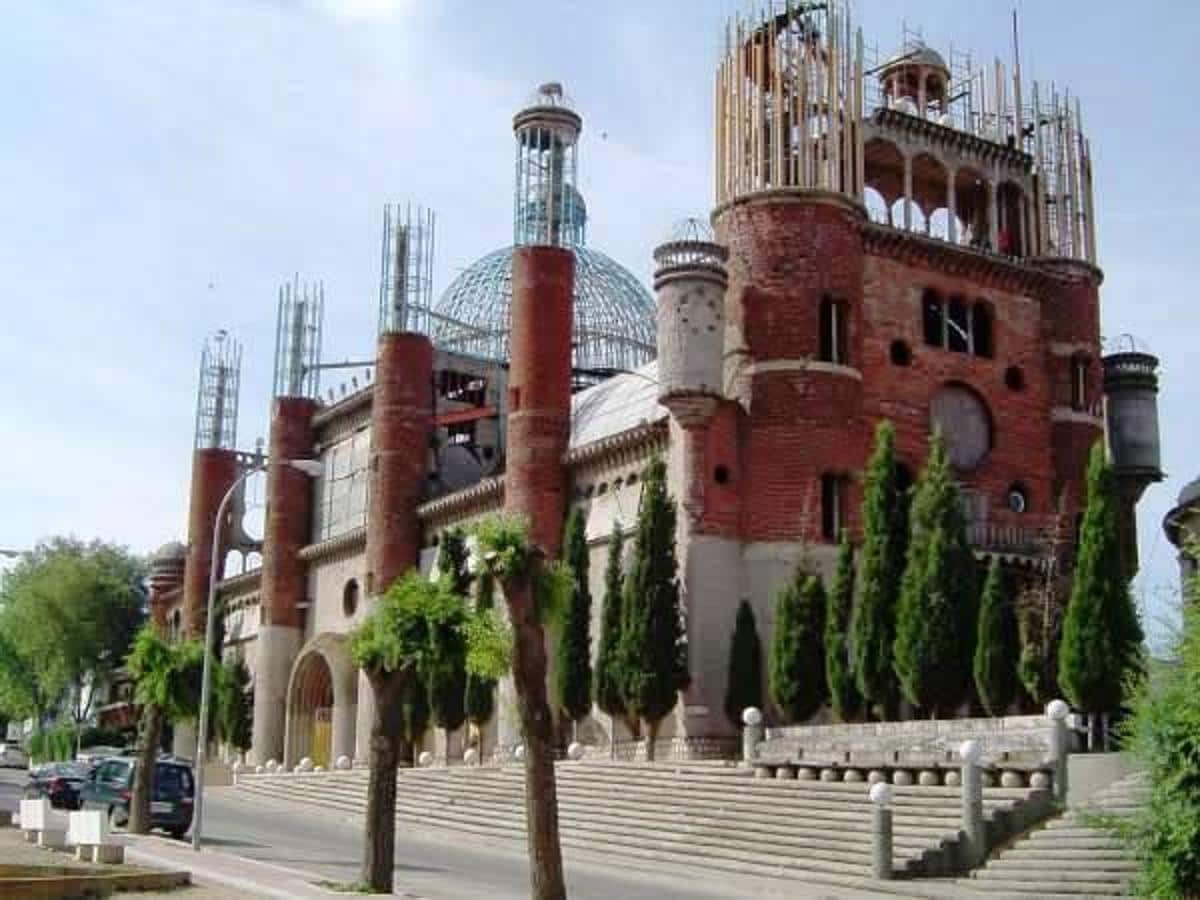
710,815
1073,855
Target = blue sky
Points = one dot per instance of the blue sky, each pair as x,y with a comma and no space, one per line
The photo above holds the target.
164,166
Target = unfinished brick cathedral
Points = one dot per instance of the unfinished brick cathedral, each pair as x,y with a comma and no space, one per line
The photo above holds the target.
908,237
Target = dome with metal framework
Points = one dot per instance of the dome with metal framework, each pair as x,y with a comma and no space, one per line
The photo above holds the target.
614,313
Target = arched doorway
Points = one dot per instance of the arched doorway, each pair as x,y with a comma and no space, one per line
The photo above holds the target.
310,711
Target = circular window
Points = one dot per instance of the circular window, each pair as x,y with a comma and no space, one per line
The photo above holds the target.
1014,379
721,475
965,423
901,353
350,597
1018,498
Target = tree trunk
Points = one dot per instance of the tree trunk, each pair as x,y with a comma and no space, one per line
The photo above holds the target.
149,734
537,726
651,738
379,840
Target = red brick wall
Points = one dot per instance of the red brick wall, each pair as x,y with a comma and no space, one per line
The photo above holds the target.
539,390
289,513
787,252
213,473
711,491
401,425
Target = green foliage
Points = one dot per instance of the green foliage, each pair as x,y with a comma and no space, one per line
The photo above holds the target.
1164,734
418,624
55,744
1102,637
572,685
843,692
414,711
447,690
166,675
234,696
489,649
745,684
935,624
796,669
609,694
95,736
68,613
502,543
452,561
653,642
996,644
873,621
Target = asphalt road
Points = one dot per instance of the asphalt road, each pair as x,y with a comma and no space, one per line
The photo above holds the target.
436,865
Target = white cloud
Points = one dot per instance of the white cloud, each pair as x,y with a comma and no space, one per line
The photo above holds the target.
364,10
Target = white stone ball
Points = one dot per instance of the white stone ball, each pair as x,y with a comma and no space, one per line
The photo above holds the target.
752,716
1011,779
1057,710
344,763
880,793
471,756
876,776
425,760
519,753
902,777
272,765
575,751
1040,781
306,765
953,779
236,767
970,751
928,778
258,770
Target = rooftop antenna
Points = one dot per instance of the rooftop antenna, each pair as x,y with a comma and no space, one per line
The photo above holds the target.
298,338
217,396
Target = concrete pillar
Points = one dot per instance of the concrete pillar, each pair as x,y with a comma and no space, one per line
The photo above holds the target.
284,574
401,428
951,206
972,804
1056,713
365,717
993,215
345,716
881,830
908,190
752,733
539,390
183,740
213,472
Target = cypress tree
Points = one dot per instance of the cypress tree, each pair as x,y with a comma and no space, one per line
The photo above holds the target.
414,715
481,691
996,644
873,622
843,692
1102,637
447,690
935,625
653,642
607,682
745,667
796,670
572,688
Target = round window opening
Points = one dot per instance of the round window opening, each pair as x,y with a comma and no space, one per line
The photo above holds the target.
721,475
965,424
350,597
1018,498
901,353
1014,379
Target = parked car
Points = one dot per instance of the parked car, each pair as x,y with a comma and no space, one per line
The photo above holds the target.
58,782
13,757
93,755
110,789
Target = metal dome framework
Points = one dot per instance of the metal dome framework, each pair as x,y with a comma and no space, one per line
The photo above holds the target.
614,313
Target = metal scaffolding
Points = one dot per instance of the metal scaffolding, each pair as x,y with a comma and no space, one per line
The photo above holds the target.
298,339
546,196
406,269
217,396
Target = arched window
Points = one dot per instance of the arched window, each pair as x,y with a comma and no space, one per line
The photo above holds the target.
981,330
1079,378
350,597
833,505
833,331
933,317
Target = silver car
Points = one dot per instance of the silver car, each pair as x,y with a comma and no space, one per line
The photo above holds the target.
13,757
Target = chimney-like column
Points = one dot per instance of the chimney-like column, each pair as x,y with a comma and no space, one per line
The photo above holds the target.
401,426
539,390
214,470
284,575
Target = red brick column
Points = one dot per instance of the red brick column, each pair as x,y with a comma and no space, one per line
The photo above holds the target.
213,473
401,425
788,251
539,391
289,512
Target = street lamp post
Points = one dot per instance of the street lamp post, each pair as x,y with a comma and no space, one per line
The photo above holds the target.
310,467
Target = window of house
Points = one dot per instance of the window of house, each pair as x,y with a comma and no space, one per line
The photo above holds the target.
833,331
1079,373
981,330
931,307
350,597
833,505
957,325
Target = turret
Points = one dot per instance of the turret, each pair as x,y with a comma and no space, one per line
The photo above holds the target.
165,578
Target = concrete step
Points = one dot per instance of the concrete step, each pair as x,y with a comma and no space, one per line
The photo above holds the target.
1037,886
1089,863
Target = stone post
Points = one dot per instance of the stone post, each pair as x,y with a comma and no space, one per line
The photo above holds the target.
752,733
972,803
881,830
1057,712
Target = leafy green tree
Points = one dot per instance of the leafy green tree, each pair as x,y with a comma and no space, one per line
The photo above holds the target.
536,592
653,641
572,688
416,632
996,644
745,684
481,690
448,689
234,697
873,621
167,685
935,626
610,696
1164,735
843,692
1102,637
796,669
68,613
